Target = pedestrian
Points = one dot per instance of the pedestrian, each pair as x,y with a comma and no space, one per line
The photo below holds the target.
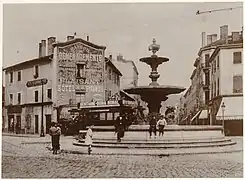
120,127
89,138
161,123
153,128
59,129
54,132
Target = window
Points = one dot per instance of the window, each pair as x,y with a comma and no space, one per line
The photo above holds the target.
217,86
214,65
49,93
217,62
11,77
80,70
11,99
206,60
115,78
19,76
110,74
80,97
36,71
237,57
214,89
237,84
19,98
118,80
36,96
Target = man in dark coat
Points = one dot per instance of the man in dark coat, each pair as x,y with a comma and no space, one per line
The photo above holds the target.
120,127
55,133
153,122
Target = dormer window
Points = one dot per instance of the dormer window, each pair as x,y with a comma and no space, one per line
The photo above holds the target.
36,71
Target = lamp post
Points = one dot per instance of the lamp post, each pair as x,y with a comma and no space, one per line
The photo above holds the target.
223,118
42,127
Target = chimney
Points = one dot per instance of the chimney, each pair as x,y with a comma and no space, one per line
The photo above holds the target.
214,37
43,48
119,57
51,40
40,50
110,57
203,39
224,32
209,39
236,36
87,38
70,38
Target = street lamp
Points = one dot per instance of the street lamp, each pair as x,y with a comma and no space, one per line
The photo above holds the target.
223,120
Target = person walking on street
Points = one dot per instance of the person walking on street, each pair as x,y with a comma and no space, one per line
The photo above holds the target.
161,124
54,132
120,127
89,139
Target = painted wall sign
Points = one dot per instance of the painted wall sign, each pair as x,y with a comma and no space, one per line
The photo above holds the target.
38,82
80,68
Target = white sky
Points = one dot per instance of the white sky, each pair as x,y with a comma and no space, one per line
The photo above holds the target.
123,28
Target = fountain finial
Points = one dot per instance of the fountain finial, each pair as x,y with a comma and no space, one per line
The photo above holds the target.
154,47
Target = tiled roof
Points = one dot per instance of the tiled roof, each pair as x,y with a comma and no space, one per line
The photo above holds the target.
31,61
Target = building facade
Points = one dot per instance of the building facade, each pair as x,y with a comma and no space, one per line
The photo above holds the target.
218,74
66,74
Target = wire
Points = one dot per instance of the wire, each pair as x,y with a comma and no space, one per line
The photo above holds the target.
215,10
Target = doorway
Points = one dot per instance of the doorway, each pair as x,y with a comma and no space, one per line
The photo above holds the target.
18,124
48,122
11,123
36,124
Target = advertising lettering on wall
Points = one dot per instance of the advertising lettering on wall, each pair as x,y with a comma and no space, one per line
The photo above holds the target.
80,68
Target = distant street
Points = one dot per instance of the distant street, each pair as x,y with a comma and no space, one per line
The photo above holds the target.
35,161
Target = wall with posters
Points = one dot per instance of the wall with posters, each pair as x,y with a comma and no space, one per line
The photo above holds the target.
80,73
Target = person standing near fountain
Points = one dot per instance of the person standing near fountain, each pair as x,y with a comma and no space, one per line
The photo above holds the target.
88,138
161,123
153,122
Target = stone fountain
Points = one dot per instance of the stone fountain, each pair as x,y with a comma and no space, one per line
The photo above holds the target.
154,94
176,139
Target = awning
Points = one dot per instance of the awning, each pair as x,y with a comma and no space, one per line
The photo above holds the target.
204,114
233,108
126,96
194,117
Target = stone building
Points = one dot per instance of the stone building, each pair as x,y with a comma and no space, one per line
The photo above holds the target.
74,72
227,50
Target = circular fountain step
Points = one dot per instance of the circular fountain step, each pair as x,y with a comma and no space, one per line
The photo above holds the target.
157,144
137,136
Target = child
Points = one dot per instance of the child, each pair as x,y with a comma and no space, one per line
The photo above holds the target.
161,124
88,138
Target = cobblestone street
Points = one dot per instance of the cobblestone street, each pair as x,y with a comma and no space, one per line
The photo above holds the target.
35,161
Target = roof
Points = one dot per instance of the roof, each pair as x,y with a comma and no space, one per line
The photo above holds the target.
225,46
108,61
219,42
31,61
78,40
